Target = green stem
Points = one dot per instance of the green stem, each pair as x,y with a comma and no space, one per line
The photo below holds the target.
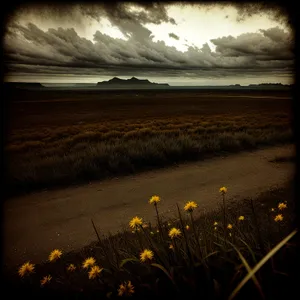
185,237
158,222
224,217
139,238
152,246
261,244
196,236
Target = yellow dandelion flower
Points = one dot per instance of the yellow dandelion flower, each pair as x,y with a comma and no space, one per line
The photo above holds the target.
94,272
146,255
135,222
26,269
88,262
229,226
154,200
190,206
46,280
216,224
241,218
278,218
126,289
55,255
187,227
171,247
174,232
223,190
71,267
282,206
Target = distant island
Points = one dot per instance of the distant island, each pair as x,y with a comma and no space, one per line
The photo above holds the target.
23,85
133,82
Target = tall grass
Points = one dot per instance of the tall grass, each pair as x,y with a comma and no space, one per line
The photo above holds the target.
67,155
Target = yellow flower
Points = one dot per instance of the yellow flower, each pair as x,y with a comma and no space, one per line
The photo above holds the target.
190,206
94,272
146,255
71,268
89,262
282,206
229,226
171,247
135,222
126,289
55,255
216,223
278,218
223,190
187,227
26,269
154,200
241,218
45,280
174,232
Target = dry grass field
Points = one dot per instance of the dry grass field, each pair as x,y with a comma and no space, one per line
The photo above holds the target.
67,137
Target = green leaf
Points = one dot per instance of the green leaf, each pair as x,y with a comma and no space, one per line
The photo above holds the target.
261,263
211,254
126,260
250,250
245,263
164,270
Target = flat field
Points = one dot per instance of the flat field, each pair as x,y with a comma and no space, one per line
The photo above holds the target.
59,138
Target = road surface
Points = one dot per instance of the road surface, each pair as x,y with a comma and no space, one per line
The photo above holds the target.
36,224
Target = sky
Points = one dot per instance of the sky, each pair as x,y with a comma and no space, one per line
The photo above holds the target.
179,44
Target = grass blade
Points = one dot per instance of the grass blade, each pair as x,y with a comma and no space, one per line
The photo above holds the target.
126,260
164,270
245,263
250,250
261,263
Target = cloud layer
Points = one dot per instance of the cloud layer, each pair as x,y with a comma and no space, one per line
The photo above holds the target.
29,49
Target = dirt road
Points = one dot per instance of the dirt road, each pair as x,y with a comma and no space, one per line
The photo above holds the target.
37,223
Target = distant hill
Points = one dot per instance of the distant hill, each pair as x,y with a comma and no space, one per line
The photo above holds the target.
132,82
23,85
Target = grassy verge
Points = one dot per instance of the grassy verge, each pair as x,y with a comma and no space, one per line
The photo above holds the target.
66,155
194,255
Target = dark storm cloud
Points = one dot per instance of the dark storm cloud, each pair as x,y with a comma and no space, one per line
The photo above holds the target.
32,50
29,49
174,36
272,44
122,15
245,10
